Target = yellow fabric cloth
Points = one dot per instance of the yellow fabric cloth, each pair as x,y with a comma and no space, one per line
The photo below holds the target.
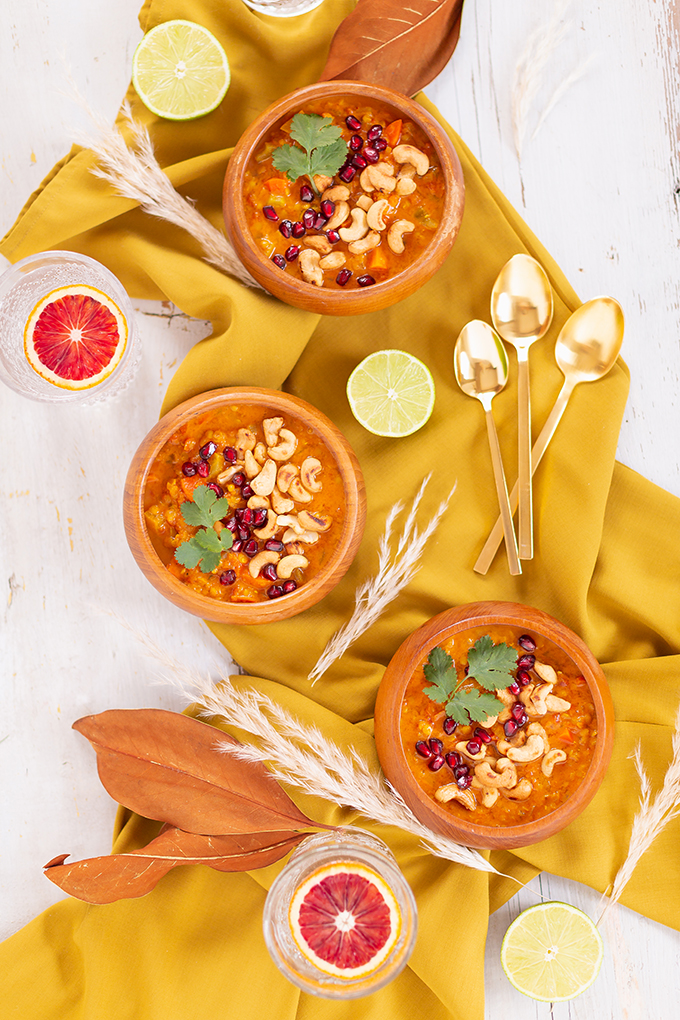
193,947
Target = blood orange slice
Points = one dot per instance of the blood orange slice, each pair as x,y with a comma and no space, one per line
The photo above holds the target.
345,919
75,337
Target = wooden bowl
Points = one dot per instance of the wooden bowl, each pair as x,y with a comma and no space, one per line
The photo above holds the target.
313,590
324,300
410,656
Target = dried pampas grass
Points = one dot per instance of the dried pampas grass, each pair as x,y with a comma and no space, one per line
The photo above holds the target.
395,570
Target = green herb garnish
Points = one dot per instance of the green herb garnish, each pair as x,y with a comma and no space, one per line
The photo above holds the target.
489,664
323,148
206,546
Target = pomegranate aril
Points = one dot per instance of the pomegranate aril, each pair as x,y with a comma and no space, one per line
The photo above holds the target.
275,592
527,643
360,162
464,782
522,719
320,221
327,208
308,217
290,254
517,711
482,735
243,533
230,455
306,193
289,586
453,759
238,479
353,123
245,515
374,132
286,228
422,749
510,728
355,143
523,678
238,545
380,144
207,450
217,489
333,236
365,280
188,469
347,174
230,522
270,212
298,230
514,687
203,468
436,746
251,547
449,725
435,763
343,276
260,517
269,572
228,577
279,261
246,491
473,746
461,770
526,661
274,545
371,154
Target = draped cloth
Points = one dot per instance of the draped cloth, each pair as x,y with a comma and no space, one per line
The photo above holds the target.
193,947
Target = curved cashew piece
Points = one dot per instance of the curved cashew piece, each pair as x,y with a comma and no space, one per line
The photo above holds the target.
338,193
368,243
496,780
538,700
358,229
409,154
551,759
285,476
260,560
405,184
250,465
263,484
280,504
259,502
314,522
519,792
245,440
295,548
460,747
489,722
288,564
320,244
504,695
339,216
229,473
395,235
532,750
453,792
286,446
375,214
545,672
489,796
378,177
519,740
296,537
260,453
309,267
364,202
271,428
555,704
333,261
297,491
290,522
321,182
535,727
268,529
309,474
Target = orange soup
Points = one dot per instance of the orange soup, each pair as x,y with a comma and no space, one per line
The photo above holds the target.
281,494
518,764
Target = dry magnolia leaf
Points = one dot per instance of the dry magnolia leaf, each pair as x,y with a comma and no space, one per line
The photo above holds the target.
401,44
169,767
125,876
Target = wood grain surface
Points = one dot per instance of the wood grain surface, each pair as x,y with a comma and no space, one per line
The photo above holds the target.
599,184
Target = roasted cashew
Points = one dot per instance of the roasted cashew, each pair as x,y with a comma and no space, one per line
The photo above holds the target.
497,780
271,428
375,214
555,704
289,521
314,522
285,476
405,183
281,504
295,548
321,182
295,537
453,792
460,747
288,564
338,193
260,453
309,267
286,446
229,473
309,474
519,740
335,260
339,216
364,202
358,229
489,722
368,243
489,796
268,529
258,502
409,154
519,792
245,440
535,727
551,759
260,560
320,244
263,484
298,492
378,177
532,750
504,695
250,465
545,672
395,235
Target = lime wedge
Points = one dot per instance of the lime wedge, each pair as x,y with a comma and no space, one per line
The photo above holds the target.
391,393
552,952
180,71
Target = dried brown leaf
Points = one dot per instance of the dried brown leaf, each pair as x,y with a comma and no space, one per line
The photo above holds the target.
402,44
125,876
169,767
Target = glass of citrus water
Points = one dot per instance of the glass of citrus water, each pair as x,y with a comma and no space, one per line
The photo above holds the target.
67,329
282,8
340,920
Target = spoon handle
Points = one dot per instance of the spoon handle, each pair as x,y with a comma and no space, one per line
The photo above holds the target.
525,526
495,538
502,491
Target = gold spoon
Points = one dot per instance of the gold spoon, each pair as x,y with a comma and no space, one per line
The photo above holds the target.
480,362
521,311
586,349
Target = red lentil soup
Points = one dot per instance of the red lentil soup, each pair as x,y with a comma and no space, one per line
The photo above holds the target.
374,218
476,771
283,488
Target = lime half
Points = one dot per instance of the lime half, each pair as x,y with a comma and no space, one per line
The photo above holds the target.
180,71
552,952
391,393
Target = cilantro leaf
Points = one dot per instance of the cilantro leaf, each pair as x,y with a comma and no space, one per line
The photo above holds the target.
205,547
323,148
440,671
226,539
313,131
327,161
491,665
291,160
472,706
188,554
206,508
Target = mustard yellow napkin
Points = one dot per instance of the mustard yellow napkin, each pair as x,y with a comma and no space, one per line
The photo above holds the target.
607,562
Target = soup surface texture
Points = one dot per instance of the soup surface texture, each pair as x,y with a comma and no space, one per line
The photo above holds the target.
518,764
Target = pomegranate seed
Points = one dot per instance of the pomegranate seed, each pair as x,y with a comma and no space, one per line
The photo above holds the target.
327,208
238,545
461,770
422,749
435,763
246,491
289,586
243,533
360,162
188,469
275,592
279,261
230,522
527,643
306,193
517,711
526,661
207,451
245,515
274,545
308,217
453,759
464,782
473,746
299,230
347,174
269,571
238,479
286,227
510,728
228,577
521,719
217,489
523,678
343,276
365,281
514,687
482,735
230,455
352,123
290,254
449,725
371,154
251,547
333,236
374,132
380,144
203,468
260,517
320,221
436,746
270,212
355,143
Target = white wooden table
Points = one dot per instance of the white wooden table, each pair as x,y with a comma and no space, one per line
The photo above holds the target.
599,184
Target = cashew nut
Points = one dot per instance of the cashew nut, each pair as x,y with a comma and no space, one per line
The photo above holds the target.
533,699
338,193
245,440
395,235
339,216
229,473
260,453
258,502
364,202
263,484
297,491
295,548
250,465
535,727
545,672
555,704
332,261
309,267
280,504
314,522
532,750
368,243
505,779
519,792
552,759
286,446
504,695
489,722
309,474
461,748
271,428
453,792
405,185
260,560
358,229
295,537
291,522
489,796
376,213
320,244
268,529
321,182
288,564
409,154
285,476
378,177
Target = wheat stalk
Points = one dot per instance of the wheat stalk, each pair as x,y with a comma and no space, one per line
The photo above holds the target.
652,818
395,570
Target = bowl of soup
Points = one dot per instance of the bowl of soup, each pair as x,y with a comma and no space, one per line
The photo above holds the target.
495,723
244,505
343,197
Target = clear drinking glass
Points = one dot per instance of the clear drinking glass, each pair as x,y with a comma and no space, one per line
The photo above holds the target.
361,866
282,8
22,287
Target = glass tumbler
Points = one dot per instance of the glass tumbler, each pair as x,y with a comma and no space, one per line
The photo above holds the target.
282,8
23,287
340,920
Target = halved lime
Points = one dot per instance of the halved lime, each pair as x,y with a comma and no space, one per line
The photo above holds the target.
391,393
552,952
180,71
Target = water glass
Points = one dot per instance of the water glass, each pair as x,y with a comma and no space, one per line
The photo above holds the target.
282,8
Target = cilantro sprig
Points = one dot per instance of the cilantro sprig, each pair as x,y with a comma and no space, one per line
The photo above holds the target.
323,149
489,664
206,546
